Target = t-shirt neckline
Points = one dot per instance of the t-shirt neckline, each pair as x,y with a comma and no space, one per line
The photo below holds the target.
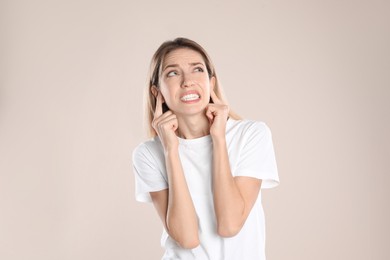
203,140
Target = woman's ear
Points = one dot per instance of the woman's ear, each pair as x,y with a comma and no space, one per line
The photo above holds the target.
154,91
212,83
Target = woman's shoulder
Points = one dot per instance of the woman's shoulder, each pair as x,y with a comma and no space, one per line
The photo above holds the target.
148,148
247,125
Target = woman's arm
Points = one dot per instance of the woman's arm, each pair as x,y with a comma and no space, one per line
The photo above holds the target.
234,197
174,205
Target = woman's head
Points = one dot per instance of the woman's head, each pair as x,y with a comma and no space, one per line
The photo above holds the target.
177,62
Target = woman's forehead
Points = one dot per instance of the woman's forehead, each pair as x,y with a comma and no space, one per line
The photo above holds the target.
182,56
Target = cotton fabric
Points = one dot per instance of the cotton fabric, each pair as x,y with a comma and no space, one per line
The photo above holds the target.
251,154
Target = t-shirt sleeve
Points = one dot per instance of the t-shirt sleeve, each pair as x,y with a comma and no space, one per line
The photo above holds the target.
257,157
148,174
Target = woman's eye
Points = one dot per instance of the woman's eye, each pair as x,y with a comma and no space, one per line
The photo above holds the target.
171,73
199,69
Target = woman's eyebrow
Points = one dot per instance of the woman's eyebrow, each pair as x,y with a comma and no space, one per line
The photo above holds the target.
170,65
196,63
177,65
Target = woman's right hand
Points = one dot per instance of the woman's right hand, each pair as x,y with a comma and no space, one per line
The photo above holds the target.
165,124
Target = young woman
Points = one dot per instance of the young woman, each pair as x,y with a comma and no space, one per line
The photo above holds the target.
204,167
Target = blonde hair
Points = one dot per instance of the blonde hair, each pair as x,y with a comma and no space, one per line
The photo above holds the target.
155,73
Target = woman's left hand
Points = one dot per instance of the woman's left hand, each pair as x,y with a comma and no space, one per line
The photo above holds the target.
217,114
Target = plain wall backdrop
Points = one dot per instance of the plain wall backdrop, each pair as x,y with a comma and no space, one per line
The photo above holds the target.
72,75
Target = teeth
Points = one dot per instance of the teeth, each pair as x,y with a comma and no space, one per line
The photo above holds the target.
190,97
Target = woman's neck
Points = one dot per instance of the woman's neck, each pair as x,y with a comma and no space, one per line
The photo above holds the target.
191,127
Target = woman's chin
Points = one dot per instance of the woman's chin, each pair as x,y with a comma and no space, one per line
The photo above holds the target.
190,112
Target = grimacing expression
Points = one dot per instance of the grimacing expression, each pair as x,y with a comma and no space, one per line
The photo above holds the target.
185,83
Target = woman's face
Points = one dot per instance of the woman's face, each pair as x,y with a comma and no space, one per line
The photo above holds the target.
185,83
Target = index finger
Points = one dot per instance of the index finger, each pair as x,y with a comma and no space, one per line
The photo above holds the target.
215,98
158,110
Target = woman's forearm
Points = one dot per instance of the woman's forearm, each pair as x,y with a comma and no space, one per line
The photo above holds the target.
181,218
228,202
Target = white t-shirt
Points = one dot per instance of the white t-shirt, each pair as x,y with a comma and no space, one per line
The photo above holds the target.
251,153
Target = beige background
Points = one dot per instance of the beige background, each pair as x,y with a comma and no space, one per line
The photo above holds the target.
72,77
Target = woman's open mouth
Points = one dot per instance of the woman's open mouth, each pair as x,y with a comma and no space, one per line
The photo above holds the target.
190,97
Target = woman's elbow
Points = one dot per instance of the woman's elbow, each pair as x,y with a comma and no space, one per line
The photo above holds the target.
228,230
189,243
188,239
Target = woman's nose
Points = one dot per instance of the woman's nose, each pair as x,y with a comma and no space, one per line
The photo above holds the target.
187,81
